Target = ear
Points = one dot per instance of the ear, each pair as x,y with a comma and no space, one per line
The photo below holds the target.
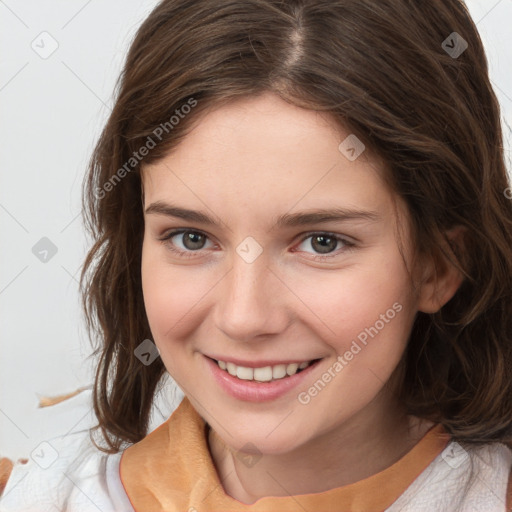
440,279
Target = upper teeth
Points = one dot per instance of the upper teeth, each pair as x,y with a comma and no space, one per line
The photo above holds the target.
265,374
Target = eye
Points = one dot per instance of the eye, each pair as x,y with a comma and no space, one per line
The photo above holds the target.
192,241
326,243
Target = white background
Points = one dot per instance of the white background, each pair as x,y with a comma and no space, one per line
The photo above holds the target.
52,111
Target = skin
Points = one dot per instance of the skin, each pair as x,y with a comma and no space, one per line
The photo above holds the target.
246,163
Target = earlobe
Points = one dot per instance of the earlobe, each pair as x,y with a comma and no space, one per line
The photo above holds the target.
441,279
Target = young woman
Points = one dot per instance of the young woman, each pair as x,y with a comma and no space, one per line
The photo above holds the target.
300,213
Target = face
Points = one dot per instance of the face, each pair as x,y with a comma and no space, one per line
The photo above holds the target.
254,292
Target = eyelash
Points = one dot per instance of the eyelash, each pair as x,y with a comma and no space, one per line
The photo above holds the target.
349,246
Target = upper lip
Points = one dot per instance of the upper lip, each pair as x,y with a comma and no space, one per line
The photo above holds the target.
260,363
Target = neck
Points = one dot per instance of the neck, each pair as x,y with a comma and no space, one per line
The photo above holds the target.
356,449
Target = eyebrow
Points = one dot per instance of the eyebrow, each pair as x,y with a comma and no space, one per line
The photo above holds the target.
286,220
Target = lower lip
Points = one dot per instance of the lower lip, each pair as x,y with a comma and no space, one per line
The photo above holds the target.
253,391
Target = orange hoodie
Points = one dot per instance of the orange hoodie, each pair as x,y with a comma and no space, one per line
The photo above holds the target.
148,466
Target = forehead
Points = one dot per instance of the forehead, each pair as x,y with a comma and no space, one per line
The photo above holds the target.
264,152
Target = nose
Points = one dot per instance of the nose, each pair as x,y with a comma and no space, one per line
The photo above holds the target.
252,301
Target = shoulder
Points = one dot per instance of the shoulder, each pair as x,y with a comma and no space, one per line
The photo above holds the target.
65,471
474,478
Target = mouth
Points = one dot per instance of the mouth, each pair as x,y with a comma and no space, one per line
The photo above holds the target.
267,373
260,381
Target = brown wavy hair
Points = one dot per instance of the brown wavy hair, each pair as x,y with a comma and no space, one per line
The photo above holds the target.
380,70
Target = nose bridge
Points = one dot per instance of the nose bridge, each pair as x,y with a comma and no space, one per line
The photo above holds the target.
249,303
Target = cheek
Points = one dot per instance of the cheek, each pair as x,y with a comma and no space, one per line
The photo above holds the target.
171,294
347,306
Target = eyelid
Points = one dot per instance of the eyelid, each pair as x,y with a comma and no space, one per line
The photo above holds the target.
349,245
347,241
165,239
338,236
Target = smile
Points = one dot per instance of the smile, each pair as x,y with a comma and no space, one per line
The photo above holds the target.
259,381
265,373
